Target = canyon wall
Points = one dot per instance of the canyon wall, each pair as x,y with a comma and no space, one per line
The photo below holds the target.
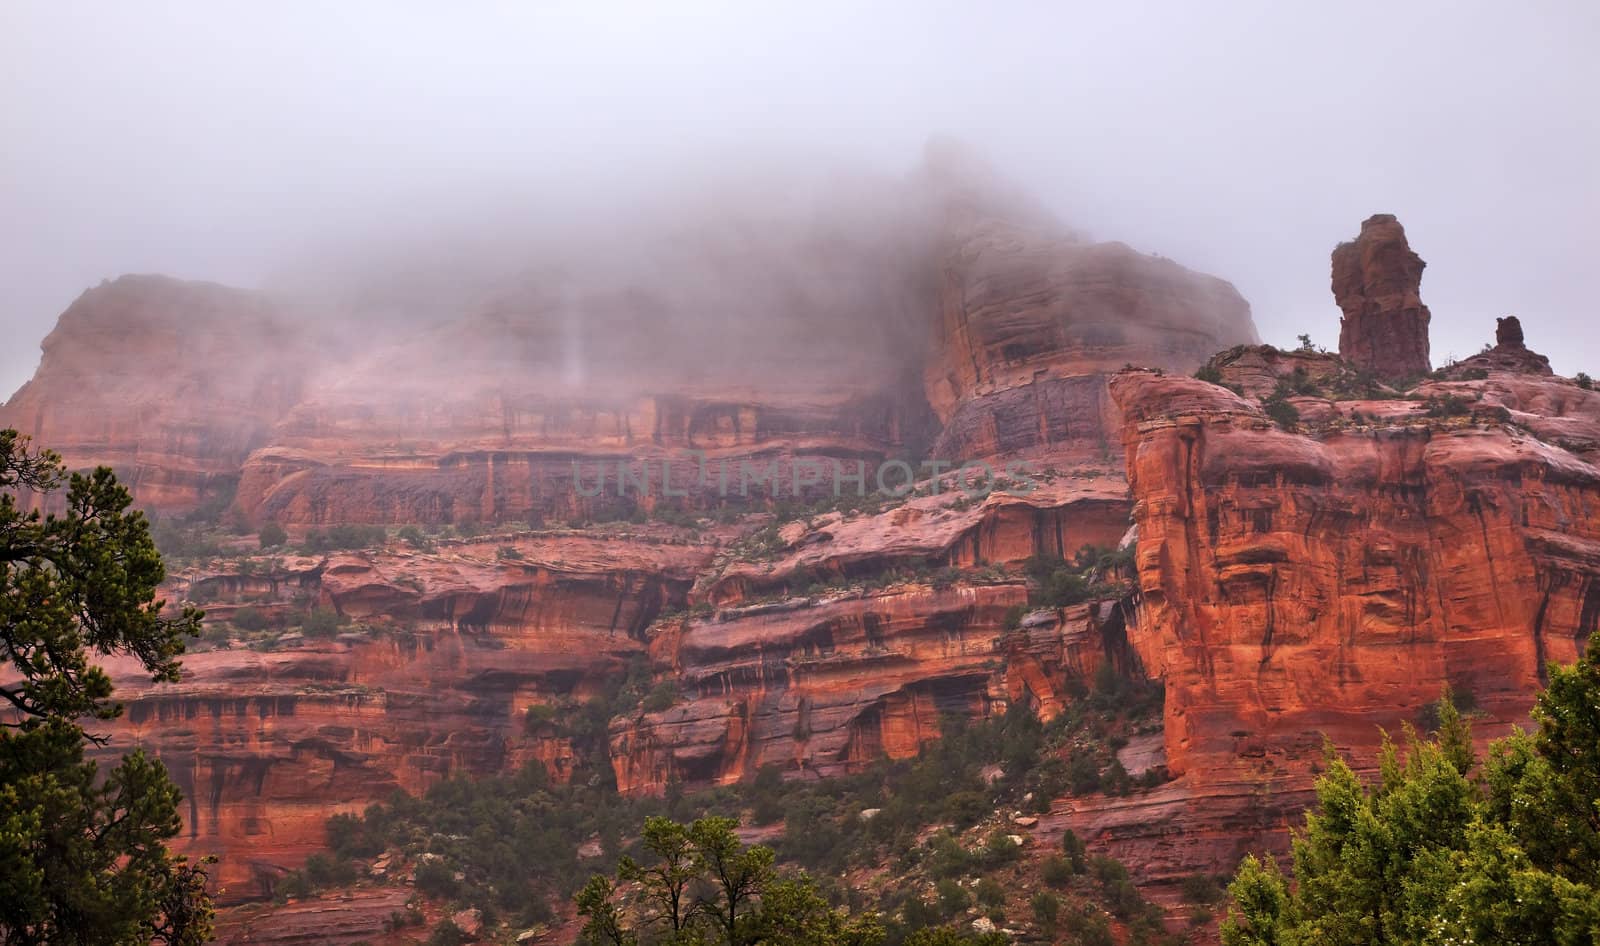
1296,579
170,383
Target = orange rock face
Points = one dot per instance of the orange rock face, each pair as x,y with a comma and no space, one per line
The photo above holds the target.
1296,587
266,744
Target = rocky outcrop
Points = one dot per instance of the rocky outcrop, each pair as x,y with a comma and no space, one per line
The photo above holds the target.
439,658
172,383
1030,322
1376,281
1296,588
1508,354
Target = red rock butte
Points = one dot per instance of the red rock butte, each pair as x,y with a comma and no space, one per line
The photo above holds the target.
1291,584
1377,282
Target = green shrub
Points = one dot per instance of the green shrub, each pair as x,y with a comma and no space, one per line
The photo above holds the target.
1056,871
1584,381
1073,848
322,871
447,933
660,697
344,537
1202,890
1046,911
1209,373
272,536
321,622
539,715
436,878
1083,773
1087,927
350,836
990,893
249,619
1451,405
953,897
415,537
508,552
1000,849
964,809
1279,408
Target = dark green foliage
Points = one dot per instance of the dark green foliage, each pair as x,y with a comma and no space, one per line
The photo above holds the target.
989,893
1090,575
520,833
181,540
948,936
1086,926
416,538
699,883
508,553
446,933
1301,382
1073,848
1209,373
1428,854
1056,871
660,697
345,537
1202,890
1462,701
1451,405
273,536
436,878
83,855
952,896
1046,911
321,623
351,836
1279,408
539,715
249,619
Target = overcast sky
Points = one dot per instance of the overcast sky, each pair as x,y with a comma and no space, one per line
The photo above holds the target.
210,140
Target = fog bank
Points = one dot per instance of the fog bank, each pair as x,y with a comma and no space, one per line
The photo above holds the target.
251,144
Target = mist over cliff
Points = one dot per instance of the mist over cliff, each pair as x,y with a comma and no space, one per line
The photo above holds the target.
231,145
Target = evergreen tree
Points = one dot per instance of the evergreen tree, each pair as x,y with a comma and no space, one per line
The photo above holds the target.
83,858
1429,855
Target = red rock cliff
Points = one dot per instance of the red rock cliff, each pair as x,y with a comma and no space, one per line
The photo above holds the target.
1321,584
171,383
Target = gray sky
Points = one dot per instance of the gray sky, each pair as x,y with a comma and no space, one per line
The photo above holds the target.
214,140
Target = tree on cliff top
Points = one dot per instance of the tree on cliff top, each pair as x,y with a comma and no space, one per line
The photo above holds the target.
83,858
1431,855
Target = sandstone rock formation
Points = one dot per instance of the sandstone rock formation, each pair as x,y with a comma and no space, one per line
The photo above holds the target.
1302,587
1290,586
172,383
1376,281
1031,323
1508,354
